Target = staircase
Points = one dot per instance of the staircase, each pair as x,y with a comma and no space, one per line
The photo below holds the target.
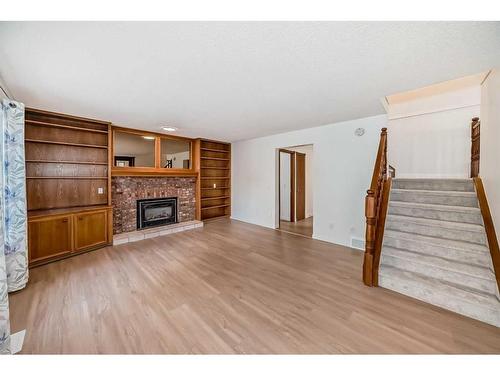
435,247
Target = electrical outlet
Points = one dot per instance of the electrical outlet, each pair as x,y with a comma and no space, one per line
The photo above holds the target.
100,190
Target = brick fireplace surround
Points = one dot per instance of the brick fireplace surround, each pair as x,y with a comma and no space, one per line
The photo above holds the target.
125,191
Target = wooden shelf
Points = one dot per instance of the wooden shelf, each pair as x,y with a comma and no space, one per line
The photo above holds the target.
66,126
66,210
149,171
215,156
213,150
64,116
215,198
211,218
212,207
65,143
66,158
66,178
67,162
210,158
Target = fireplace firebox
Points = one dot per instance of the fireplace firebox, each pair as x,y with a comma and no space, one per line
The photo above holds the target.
156,211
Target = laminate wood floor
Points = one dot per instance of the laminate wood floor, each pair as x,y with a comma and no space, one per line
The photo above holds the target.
302,227
230,287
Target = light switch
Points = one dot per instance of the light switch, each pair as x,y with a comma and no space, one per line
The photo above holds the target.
100,190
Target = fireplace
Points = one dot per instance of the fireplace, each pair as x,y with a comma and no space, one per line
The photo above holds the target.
156,211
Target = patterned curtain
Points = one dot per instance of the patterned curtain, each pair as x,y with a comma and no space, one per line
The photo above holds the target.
13,225
4,300
14,198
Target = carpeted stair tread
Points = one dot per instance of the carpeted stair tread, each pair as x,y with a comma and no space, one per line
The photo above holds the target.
437,192
459,214
453,289
436,241
457,298
404,262
472,233
437,223
438,262
443,198
439,207
434,184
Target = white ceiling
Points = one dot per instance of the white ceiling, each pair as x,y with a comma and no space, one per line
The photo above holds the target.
234,80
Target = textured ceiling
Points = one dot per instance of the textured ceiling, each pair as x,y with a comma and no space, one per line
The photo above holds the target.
234,80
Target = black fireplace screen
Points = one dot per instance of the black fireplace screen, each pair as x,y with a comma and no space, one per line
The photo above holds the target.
156,211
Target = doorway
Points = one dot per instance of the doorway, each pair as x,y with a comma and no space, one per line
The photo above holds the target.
295,190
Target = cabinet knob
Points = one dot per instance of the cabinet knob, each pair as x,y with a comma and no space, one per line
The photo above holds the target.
64,220
80,218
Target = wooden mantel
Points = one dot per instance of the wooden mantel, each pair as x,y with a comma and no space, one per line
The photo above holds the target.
152,172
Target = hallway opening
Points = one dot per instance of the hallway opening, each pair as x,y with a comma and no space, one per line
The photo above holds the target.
296,190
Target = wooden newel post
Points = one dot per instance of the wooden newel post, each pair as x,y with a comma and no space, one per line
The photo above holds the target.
370,213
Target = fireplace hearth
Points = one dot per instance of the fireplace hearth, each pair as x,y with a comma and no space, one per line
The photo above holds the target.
156,211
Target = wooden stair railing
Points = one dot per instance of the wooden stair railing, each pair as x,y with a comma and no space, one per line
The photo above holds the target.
375,212
489,228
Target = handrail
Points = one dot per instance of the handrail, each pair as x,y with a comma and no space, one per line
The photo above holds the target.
373,207
381,161
489,228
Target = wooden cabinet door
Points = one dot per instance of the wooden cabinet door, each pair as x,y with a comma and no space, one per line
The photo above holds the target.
300,185
90,229
49,238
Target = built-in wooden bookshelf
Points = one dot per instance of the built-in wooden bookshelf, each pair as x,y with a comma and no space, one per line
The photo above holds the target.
68,184
215,179
66,161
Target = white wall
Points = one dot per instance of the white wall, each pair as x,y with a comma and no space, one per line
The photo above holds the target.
3,90
429,135
285,188
342,170
489,168
309,152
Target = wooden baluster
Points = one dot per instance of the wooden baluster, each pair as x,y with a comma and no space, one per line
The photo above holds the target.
371,224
